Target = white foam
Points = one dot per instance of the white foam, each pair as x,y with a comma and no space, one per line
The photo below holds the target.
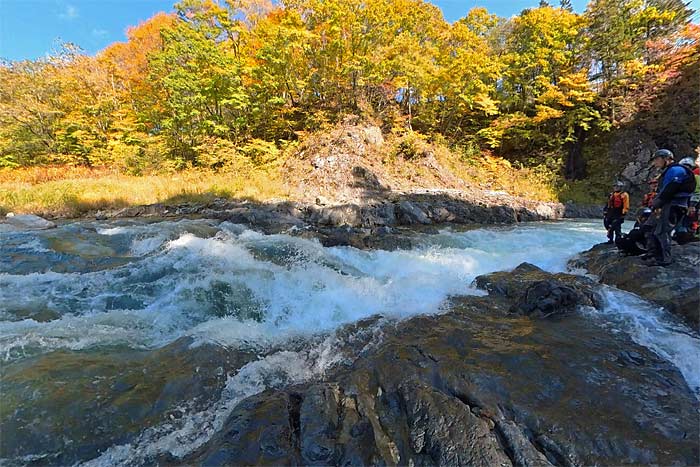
183,436
109,231
220,288
654,328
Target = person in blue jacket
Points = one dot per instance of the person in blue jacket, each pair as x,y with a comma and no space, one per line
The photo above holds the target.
676,185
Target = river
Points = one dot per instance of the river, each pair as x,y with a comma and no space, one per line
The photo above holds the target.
97,287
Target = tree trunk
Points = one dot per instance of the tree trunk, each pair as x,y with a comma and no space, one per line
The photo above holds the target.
575,168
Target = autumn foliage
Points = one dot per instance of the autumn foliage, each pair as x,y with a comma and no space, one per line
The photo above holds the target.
218,81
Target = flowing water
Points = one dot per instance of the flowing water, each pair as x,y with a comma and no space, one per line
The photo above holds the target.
129,284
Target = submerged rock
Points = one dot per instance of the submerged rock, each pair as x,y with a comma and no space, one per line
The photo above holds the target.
67,406
675,287
14,222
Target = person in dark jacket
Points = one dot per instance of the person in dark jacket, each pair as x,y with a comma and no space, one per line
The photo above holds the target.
687,230
615,210
633,243
676,185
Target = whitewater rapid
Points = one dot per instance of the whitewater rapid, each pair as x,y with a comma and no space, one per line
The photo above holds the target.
132,284
145,285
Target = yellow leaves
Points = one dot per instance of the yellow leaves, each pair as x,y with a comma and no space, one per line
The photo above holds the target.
545,113
485,104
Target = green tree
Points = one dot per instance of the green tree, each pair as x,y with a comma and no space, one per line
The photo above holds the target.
202,82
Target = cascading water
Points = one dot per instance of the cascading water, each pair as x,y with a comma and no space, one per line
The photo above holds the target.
127,284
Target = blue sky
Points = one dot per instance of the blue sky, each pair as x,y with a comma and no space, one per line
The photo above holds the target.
31,28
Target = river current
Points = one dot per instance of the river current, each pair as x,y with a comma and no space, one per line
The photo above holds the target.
132,284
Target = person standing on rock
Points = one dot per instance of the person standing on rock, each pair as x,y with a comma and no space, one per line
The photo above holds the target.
676,185
615,211
687,230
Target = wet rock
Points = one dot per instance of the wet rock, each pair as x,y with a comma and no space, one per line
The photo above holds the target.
545,298
258,432
675,287
534,292
383,238
38,312
474,386
15,222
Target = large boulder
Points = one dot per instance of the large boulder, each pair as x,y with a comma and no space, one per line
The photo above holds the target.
675,287
411,213
534,292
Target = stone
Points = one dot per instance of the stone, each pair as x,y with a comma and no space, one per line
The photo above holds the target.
382,214
534,292
373,135
675,287
409,213
341,215
25,222
441,214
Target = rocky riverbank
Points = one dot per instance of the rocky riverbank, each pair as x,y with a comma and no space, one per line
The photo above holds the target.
363,223
676,287
520,377
355,222
390,209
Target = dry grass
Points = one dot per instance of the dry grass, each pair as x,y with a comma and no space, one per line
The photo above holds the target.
493,173
71,191
57,191
441,167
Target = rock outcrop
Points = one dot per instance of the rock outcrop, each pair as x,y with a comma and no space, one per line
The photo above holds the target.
675,287
534,292
393,209
476,386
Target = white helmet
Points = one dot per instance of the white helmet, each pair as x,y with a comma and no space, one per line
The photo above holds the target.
688,162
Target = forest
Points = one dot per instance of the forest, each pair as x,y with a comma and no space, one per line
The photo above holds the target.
218,82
